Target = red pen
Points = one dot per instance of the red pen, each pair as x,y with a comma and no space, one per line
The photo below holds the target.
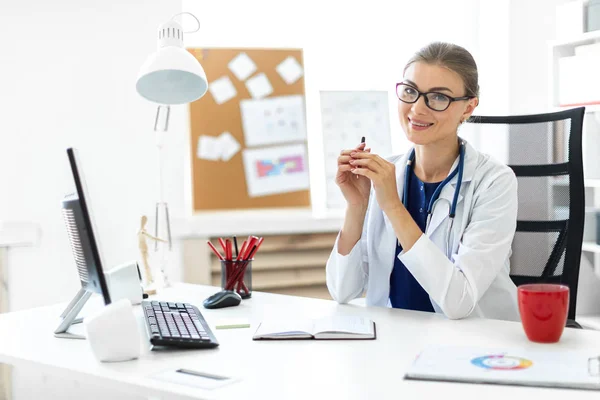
214,249
223,246
228,250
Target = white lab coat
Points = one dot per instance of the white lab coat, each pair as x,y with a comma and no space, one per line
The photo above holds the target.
475,281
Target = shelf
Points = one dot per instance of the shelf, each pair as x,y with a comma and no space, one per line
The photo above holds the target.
585,38
590,247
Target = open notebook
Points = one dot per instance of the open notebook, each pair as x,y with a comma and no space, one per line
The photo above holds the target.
323,328
522,367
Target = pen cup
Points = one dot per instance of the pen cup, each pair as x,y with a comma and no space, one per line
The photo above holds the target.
237,276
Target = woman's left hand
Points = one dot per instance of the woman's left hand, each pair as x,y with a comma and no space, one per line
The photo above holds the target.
382,174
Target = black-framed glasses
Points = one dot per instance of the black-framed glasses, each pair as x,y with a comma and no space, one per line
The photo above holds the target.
434,100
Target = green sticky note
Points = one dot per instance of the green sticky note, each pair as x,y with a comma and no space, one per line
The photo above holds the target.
232,324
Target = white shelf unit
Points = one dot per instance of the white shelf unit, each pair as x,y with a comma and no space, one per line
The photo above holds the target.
566,48
591,140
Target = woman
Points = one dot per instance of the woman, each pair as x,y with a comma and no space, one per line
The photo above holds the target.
398,241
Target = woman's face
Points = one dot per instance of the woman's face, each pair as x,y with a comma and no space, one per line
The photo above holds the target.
423,125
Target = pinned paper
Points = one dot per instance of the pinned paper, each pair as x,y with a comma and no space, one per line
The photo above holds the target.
242,66
259,86
290,70
223,147
209,148
222,90
274,170
347,116
229,146
273,120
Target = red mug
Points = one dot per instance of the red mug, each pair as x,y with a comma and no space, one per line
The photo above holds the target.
544,308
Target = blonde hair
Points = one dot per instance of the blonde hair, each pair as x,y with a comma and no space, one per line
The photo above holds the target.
453,57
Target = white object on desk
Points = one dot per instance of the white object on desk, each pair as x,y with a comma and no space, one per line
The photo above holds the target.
113,332
123,282
516,366
194,378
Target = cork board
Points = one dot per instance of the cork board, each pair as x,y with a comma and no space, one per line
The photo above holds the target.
220,184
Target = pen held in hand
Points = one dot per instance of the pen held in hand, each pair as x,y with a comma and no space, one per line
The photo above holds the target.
362,140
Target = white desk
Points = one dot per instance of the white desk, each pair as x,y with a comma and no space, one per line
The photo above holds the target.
285,369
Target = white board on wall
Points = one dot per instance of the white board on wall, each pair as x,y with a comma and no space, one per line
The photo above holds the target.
346,116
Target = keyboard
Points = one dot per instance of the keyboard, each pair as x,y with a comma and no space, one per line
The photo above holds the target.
177,325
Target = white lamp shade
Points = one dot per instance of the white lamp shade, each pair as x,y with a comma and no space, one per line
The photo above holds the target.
172,76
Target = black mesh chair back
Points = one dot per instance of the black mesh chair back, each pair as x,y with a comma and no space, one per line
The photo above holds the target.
544,151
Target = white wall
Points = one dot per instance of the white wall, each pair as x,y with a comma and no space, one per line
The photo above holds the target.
532,25
68,79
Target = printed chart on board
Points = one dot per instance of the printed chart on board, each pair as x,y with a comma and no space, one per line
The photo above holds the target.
347,116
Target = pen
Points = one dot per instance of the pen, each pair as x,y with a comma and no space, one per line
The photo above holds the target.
362,140
228,252
214,249
222,243
235,245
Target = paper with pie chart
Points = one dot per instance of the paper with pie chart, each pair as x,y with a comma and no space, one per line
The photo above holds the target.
274,170
509,366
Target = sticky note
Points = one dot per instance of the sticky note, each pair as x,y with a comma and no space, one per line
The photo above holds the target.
232,323
290,70
242,66
222,90
259,86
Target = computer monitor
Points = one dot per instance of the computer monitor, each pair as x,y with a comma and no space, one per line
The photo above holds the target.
81,230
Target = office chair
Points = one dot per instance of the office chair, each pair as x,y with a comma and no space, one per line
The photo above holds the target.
546,155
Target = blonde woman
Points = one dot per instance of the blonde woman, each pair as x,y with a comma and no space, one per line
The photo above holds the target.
430,230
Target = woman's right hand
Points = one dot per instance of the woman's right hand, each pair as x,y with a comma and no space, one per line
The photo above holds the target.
355,188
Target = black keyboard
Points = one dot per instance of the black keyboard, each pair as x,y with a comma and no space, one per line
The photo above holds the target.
177,325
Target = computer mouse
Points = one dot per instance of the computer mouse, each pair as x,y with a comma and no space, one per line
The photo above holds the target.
224,298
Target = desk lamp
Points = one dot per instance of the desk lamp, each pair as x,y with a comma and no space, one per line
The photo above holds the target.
171,75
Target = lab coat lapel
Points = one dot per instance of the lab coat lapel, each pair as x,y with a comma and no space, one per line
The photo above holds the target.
442,208
400,169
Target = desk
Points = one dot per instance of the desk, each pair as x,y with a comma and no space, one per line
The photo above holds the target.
285,369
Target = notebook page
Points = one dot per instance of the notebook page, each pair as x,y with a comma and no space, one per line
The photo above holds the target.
338,324
278,327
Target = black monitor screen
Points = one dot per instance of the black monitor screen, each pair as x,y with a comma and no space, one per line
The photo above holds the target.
81,231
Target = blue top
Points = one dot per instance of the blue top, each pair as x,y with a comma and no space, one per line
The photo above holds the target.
405,291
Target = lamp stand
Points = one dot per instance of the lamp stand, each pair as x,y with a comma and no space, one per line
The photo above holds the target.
162,222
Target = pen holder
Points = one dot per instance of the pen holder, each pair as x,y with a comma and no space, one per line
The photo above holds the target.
237,276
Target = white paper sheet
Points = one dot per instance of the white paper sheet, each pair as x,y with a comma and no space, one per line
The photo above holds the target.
276,170
259,86
346,117
242,66
290,70
222,89
209,148
273,120
520,366
229,146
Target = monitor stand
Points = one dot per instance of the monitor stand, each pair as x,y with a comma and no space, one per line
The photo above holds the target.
69,316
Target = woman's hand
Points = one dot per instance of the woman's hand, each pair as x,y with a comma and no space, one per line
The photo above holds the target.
355,188
382,174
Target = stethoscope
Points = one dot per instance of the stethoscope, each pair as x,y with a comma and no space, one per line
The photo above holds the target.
435,197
